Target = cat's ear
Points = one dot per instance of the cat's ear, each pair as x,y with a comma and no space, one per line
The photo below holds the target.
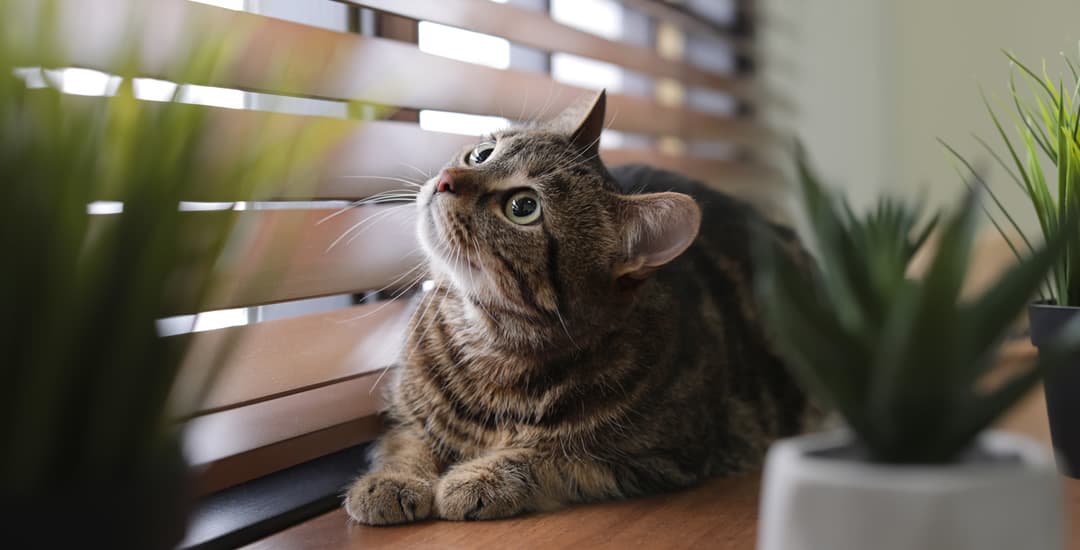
584,121
657,227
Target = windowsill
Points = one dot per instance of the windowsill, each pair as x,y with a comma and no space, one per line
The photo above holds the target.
719,514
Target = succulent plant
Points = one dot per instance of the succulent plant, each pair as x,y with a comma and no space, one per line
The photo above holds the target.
901,359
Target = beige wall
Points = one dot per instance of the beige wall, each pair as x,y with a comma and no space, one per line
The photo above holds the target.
944,51
833,75
875,82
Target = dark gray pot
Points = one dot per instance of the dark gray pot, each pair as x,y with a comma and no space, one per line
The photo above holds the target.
1062,387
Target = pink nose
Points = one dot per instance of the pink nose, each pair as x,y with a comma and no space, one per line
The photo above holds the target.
445,183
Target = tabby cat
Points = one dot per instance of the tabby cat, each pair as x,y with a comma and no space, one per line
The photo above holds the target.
584,340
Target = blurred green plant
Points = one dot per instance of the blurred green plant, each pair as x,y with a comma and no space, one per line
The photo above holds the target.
85,380
900,359
1046,119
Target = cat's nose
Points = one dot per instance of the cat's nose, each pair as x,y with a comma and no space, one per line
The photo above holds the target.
445,182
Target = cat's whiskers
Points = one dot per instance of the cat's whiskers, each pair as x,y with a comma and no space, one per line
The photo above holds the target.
357,226
420,320
430,321
369,222
378,379
546,105
524,104
382,374
393,195
412,282
479,304
422,173
406,181
564,327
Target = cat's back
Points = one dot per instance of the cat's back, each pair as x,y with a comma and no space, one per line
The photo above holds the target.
717,331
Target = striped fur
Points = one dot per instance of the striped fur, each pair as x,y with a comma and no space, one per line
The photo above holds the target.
551,364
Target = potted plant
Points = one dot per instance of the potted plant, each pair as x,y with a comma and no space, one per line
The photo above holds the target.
88,431
1046,119
903,362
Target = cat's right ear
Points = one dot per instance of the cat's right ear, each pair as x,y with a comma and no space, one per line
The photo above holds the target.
583,122
657,227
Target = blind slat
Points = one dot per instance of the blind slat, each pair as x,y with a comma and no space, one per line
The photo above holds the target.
272,359
375,156
665,12
536,29
280,255
313,62
246,466
220,435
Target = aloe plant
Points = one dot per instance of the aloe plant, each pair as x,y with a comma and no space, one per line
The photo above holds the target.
85,381
899,358
1045,118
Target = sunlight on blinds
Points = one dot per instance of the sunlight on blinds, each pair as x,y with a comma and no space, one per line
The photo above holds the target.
236,5
468,46
600,17
460,123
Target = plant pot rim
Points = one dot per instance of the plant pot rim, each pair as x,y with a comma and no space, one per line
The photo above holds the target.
1032,459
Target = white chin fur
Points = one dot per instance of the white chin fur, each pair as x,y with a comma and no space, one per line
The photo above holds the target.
463,276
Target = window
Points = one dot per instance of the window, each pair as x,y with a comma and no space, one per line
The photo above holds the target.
314,349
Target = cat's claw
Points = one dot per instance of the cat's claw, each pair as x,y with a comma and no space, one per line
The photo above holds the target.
384,499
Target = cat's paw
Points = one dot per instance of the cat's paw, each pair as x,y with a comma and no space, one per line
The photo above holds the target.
386,499
469,492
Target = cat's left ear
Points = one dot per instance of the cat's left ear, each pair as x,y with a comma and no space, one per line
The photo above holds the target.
584,121
657,227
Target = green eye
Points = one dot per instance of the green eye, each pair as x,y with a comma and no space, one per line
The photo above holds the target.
522,207
481,153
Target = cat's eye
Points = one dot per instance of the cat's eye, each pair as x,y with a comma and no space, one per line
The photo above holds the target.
523,207
481,153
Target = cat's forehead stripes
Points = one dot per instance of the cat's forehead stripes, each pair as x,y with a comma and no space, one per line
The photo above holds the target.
524,157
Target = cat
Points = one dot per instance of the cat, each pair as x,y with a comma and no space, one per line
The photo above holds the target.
584,340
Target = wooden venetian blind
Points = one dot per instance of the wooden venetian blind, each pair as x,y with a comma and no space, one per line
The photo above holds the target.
304,386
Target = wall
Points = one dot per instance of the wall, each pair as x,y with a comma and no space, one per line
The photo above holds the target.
873,83
944,51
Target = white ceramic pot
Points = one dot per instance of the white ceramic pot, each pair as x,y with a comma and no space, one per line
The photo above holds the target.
814,502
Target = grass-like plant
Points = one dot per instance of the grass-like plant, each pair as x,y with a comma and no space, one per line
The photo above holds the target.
85,381
1045,115
899,358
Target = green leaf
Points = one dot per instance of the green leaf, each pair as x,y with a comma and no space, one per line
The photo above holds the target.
993,196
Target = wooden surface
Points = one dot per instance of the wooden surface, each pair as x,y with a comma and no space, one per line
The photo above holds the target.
720,514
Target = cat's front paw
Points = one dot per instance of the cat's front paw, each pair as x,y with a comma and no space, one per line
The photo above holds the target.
386,499
480,492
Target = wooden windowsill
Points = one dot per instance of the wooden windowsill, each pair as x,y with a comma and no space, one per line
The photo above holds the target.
719,514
